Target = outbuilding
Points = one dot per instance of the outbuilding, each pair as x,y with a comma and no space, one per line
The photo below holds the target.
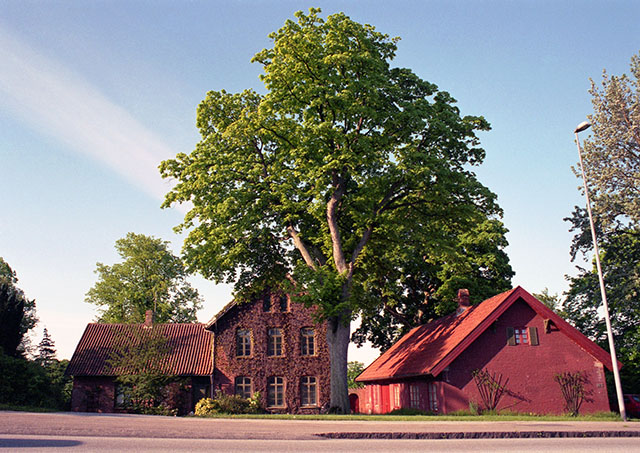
512,340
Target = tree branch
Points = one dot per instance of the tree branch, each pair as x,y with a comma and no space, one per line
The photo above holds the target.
301,246
332,221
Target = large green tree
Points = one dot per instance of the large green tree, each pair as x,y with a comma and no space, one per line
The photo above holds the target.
612,167
419,287
17,313
150,277
342,168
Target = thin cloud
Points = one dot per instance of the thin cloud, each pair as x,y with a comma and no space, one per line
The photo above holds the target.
51,98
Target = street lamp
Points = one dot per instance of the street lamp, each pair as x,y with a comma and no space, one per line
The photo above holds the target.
614,361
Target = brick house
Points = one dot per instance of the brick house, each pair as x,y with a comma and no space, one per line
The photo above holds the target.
188,357
270,345
512,335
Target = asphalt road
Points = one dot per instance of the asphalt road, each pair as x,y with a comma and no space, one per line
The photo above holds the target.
37,432
49,444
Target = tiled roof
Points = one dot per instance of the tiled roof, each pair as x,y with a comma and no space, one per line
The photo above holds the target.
430,348
188,348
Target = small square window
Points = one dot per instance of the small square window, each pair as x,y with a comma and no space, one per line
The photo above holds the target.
243,386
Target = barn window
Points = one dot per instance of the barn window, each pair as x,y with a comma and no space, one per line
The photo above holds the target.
243,343
307,341
521,335
414,396
396,395
308,391
275,391
433,397
274,345
243,386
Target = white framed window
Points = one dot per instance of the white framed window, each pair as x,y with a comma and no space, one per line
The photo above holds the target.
308,391
243,343
243,386
307,341
274,344
433,397
396,395
521,335
275,391
414,396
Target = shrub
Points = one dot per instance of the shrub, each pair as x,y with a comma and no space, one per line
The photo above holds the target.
408,411
573,392
224,403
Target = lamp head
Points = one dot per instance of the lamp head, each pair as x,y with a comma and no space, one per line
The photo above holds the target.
582,126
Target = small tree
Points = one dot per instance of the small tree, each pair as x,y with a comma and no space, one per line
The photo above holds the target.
17,314
353,370
490,386
573,392
46,350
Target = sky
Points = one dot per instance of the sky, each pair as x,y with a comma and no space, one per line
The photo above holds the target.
94,95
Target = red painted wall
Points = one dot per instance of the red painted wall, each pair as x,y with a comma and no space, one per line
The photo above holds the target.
292,366
530,369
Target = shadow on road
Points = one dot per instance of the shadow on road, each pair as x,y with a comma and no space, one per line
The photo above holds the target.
38,443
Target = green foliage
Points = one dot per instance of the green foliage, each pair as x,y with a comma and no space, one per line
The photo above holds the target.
343,169
620,260
612,154
46,352
150,277
139,363
224,403
612,167
572,387
17,313
408,411
353,371
416,288
27,383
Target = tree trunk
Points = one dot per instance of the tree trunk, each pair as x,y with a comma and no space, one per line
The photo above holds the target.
338,337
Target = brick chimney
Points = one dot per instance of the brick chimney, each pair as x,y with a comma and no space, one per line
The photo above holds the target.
149,317
463,301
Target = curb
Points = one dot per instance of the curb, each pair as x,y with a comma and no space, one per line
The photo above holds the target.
481,435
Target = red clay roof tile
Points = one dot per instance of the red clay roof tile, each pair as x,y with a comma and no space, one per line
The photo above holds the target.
189,348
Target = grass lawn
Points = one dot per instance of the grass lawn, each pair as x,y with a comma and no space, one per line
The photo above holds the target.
605,416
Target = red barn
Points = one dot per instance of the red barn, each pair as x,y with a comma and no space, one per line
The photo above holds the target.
512,336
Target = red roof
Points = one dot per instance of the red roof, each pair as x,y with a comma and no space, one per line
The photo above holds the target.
430,348
188,348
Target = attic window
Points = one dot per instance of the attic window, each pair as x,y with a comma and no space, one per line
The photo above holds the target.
284,303
522,335
266,304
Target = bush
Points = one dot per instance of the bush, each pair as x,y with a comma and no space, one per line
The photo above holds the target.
408,411
224,403
26,383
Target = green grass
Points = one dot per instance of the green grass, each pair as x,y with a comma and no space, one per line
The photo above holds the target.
14,407
462,417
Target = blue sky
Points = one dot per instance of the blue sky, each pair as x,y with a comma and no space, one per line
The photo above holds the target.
93,95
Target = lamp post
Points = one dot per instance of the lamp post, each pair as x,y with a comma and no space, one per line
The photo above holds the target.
614,361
